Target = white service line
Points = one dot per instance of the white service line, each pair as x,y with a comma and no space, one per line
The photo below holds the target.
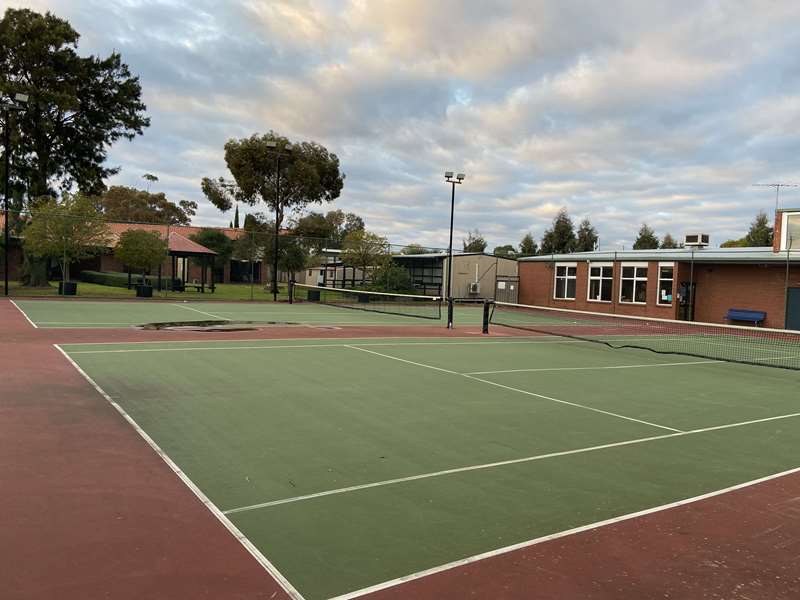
271,347
201,312
518,390
249,546
35,326
506,549
502,463
643,366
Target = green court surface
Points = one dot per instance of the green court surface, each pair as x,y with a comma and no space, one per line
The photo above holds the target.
351,462
109,314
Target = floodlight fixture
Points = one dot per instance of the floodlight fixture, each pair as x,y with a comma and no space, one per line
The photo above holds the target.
448,174
21,98
272,144
448,177
460,176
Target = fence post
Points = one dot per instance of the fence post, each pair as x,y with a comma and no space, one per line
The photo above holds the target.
487,311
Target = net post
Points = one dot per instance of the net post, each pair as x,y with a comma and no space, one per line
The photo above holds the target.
291,291
450,313
487,309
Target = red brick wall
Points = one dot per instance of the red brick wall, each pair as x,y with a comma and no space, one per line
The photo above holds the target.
536,281
754,287
718,288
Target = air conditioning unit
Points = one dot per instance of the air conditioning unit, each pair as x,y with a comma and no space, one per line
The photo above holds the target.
475,288
696,240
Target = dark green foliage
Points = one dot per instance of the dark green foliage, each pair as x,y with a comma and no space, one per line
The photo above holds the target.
560,238
141,250
78,106
309,174
587,237
292,257
67,231
236,218
474,242
669,243
527,246
215,240
130,205
507,250
740,243
391,277
760,233
414,249
646,240
120,280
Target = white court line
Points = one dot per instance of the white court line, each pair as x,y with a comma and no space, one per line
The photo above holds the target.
249,546
271,347
35,326
675,364
201,312
502,463
506,549
518,390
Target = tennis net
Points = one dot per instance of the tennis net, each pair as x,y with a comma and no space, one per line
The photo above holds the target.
730,343
406,305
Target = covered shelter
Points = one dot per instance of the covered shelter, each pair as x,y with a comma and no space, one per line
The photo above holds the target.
181,247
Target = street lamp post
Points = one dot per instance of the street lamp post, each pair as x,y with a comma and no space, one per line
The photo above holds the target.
18,104
278,153
459,179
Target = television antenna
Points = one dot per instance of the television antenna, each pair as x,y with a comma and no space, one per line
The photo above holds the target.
777,187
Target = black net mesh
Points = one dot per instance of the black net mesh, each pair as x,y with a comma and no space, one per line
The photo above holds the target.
407,305
749,345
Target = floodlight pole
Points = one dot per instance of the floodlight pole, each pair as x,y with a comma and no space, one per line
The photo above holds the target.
278,153
448,177
7,159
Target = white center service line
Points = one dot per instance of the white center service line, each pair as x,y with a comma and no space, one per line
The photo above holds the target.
202,312
502,463
518,390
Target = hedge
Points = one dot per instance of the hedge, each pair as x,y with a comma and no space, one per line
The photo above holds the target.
115,279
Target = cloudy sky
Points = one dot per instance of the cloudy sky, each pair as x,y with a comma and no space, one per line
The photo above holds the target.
622,111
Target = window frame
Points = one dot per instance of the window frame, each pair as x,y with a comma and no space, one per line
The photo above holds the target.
635,278
785,229
670,265
567,277
589,279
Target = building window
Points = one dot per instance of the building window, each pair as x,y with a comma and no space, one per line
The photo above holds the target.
601,280
633,288
566,277
792,237
665,278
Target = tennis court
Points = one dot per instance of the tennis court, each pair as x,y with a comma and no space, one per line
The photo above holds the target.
110,314
350,463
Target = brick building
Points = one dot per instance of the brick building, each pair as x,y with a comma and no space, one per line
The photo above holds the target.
657,283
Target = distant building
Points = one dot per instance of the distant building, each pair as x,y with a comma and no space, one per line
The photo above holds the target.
700,284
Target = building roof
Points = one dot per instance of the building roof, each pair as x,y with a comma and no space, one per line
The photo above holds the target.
455,255
182,245
698,255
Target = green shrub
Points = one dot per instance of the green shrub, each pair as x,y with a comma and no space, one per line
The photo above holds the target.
116,279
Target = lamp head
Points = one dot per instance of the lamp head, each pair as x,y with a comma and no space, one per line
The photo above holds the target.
448,174
460,176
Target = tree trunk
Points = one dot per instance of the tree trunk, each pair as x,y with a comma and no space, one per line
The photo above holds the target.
34,271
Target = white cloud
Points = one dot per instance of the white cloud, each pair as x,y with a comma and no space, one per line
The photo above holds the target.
621,111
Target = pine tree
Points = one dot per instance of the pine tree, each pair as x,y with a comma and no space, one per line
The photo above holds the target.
587,237
760,233
236,218
647,239
669,243
527,247
560,238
